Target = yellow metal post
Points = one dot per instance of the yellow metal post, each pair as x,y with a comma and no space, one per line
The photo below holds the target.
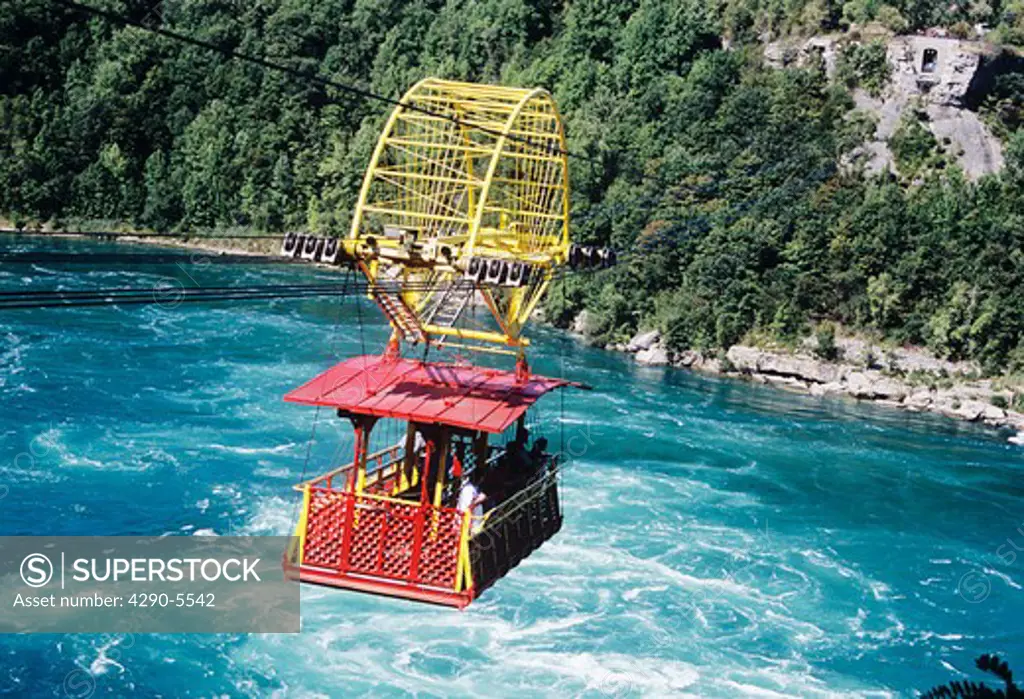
463,574
300,527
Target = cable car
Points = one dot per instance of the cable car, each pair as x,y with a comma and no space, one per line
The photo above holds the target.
464,205
387,521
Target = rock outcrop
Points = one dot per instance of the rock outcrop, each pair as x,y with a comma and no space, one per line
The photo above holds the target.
928,72
780,54
583,324
643,341
874,385
754,360
655,355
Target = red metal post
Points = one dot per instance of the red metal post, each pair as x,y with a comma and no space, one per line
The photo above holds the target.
346,531
417,543
381,542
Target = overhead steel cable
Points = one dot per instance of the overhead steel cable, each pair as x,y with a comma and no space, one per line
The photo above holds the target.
154,299
115,291
171,295
168,297
198,257
118,234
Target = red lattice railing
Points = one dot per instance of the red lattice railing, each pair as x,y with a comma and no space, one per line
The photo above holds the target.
382,468
383,537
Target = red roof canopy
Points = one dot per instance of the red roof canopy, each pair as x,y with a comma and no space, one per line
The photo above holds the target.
475,398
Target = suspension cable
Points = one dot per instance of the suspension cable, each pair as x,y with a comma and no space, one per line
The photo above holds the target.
62,257
316,415
141,234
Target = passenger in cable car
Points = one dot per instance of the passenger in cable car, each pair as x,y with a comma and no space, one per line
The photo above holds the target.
537,456
471,498
514,463
525,466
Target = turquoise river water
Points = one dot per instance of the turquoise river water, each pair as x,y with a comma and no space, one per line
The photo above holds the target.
721,539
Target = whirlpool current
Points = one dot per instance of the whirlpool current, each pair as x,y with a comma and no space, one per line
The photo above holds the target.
721,539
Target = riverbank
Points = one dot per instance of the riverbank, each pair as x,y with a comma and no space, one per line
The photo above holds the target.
907,378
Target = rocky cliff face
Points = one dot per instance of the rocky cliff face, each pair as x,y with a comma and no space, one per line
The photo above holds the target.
927,72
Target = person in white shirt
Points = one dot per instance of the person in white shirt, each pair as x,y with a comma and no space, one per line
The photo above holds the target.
471,498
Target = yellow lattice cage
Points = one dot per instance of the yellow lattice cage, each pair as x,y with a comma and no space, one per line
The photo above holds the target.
464,177
481,168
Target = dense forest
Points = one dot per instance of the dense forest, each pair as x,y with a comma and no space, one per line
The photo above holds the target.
734,187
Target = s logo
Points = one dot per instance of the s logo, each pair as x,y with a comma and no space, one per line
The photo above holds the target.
36,570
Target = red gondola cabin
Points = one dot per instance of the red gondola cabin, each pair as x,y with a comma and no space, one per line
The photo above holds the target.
388,522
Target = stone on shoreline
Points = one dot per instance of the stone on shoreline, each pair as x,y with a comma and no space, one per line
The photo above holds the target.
787,382
709,364
653,356
993,414
874,385
643,341
827,389
688,358
582,324
918,400
754,360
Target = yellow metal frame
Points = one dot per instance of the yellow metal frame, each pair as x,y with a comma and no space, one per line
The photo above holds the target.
463,568
300,526
479,170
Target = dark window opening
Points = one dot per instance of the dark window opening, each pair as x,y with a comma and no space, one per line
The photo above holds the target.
930,61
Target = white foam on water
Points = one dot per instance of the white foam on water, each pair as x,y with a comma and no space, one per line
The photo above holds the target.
928,635
893,628
102,663
272,516
278,449
267,471
342,653
804,632
1002,576
632,594
54,439
880,590
952,668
